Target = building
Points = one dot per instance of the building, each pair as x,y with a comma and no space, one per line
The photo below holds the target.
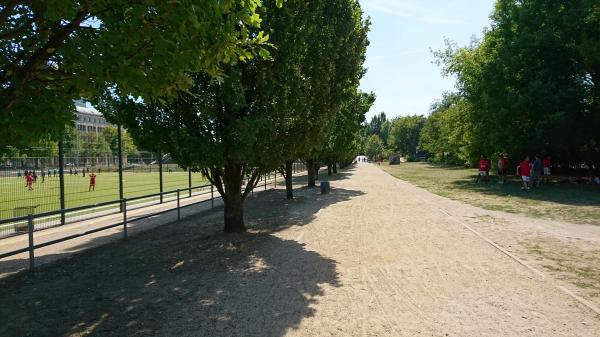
88,118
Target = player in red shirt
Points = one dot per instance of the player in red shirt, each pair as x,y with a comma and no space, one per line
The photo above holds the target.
29,181
525,171
547,164
92,182
484,169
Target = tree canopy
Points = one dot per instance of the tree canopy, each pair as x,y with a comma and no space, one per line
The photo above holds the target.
530,85
55,51
236,127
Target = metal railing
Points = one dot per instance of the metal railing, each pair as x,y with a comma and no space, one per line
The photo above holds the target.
28,225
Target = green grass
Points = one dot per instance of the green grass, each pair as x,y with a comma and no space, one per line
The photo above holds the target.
577,203
45,195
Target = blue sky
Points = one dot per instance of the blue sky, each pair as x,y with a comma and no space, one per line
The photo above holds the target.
399,61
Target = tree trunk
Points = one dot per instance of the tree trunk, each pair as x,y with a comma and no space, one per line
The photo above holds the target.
234,213
233,199
335,168
329,172
310,165
289,189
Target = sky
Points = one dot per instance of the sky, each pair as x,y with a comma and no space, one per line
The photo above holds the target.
399,59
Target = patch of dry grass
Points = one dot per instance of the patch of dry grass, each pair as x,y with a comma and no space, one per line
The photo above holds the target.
568,202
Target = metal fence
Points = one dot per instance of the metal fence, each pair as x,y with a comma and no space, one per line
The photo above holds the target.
29,223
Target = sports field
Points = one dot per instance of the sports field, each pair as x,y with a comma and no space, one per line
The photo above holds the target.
45,194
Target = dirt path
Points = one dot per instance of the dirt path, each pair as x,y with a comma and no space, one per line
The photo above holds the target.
406,269
376,257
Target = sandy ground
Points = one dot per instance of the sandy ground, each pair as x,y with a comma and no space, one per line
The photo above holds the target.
376,257
387,262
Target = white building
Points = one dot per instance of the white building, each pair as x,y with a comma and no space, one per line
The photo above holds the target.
88,118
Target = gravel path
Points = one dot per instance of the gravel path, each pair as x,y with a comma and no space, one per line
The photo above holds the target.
405,268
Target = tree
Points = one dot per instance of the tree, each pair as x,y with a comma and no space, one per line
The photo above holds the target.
343,144
55,51
225,127
336,74
110,136
448,132
531,81
374,147
405,134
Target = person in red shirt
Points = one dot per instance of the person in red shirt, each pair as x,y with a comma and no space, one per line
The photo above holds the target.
92,182
525,172
484,169
547,164
29,181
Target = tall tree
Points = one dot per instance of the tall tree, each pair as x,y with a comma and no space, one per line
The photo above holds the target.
532,80
343,143
226,127
405,134
54,51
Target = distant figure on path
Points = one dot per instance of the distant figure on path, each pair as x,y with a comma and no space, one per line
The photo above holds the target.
43,175
525,169
92,182
547,163
484,169
34,177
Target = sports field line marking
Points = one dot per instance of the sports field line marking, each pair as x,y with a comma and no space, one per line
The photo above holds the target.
538,272
579,299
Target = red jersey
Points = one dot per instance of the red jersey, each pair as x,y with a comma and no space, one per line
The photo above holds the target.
92,179
525,168
483,165
546,162
29,178
504,163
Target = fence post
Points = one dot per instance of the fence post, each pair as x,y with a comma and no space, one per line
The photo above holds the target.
160,175
61,178
120,158
30,233
265,178
178,209
275,183
212,198
124,208
190,182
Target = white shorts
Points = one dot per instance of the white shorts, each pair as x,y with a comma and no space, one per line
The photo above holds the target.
483,173
525,178
546,171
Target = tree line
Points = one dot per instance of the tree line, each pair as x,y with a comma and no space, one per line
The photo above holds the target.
232,89
528,86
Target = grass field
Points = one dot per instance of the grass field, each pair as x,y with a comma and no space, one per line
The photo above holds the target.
45,195
577,203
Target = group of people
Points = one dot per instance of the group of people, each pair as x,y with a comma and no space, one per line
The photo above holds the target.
532,173
31,177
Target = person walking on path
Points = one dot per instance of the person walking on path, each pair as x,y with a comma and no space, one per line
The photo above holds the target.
484,169
524,170
92,182
547,164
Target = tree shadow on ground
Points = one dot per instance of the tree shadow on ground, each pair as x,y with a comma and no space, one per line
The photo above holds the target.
182,279
567,194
